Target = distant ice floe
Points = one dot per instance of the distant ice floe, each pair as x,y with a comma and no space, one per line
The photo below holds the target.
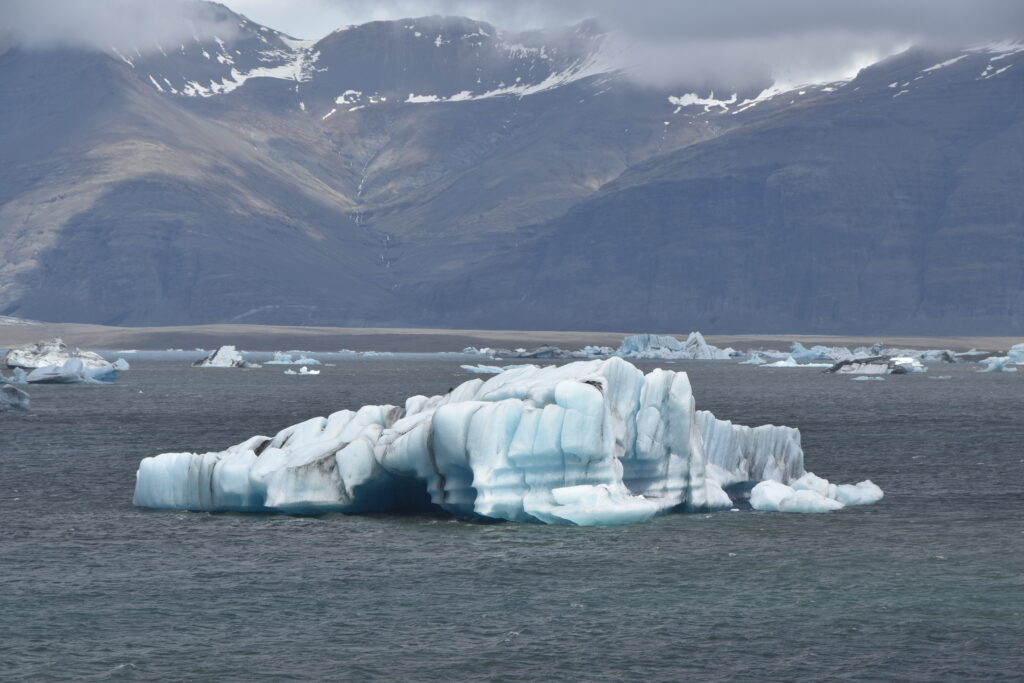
791,362
50,352
590,443
878,365
50,362
302,371
635,347
664,347
226,356
283,358
695,347
1015,356
13,398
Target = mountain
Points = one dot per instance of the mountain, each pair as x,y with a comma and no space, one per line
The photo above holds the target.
437,171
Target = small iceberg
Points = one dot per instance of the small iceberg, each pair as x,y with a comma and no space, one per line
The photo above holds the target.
75,371
878,365
50,353
226,356
12,399
1015,356
810,493
284,358
485,369
302,371
667,347
588,443
791,362
868,378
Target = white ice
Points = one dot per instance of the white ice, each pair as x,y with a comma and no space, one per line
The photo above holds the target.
226,356
1015,356
592,442
666,347
50,352
810,493
284,358
74,371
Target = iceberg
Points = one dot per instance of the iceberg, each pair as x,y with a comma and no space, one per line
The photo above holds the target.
878,365
302,371
589,443
226,356
800,353
75,371
49,353
666,347
487,369
1015,356
283,358
12,398
811,494
791,362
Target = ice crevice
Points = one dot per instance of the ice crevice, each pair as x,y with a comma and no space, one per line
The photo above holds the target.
589,443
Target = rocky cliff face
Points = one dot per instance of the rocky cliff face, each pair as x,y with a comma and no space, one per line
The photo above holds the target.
436,171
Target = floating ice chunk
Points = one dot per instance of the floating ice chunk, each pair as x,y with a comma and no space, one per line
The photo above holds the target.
226,356
666,347
1015,356
819,353
791,362
306,371
591,442
864,493
996,364
484,369
864,378
50,352
807,501
878,365
768,495
13,398
773,496
75,371
810,493
600,505
283,358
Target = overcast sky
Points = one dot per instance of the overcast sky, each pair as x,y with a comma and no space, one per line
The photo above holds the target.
726,40
795,40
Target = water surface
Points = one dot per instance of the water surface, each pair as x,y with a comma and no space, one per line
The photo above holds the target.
925,585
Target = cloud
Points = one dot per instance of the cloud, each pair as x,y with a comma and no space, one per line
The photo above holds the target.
722,44
101,24
731,44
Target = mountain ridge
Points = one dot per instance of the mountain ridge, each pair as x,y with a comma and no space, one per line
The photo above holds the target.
296,197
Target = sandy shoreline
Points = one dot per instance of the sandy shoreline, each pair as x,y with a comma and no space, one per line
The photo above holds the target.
273,337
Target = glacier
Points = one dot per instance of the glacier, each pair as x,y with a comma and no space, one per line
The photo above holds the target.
588,443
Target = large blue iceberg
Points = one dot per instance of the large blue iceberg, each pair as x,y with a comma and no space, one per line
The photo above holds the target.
590,443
